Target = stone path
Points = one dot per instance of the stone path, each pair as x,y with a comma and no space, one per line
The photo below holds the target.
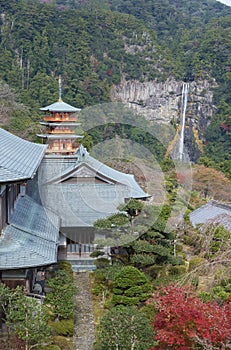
84,336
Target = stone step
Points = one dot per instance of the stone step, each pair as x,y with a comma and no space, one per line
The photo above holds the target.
83,268
81,261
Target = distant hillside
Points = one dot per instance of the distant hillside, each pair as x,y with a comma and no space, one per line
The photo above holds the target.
100,42
96,45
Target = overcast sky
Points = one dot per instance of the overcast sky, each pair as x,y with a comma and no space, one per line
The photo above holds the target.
226,2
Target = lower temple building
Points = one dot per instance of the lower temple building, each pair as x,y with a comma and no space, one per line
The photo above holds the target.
79,190
29,234
48,206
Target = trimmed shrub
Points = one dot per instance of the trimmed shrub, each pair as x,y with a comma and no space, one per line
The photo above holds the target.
131,287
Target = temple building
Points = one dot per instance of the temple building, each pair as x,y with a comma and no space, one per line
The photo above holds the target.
50,197
29,234
80,190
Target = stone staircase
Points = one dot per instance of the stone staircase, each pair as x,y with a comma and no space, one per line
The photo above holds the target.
82,264
84,335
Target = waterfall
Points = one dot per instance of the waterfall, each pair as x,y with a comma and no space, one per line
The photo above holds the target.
184,101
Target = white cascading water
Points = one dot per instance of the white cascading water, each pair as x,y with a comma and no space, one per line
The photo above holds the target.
184,101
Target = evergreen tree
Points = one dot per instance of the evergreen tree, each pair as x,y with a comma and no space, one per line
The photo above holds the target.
124,328
131,287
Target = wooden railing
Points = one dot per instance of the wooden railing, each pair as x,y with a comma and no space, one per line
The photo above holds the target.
65,150
57,132
49,118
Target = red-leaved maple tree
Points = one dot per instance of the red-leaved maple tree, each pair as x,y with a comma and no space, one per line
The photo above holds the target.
184,322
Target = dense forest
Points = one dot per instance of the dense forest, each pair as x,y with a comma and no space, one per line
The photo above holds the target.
89,43
170,287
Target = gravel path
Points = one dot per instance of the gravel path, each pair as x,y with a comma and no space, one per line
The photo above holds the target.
84,319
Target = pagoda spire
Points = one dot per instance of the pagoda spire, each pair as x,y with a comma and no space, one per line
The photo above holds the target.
60,89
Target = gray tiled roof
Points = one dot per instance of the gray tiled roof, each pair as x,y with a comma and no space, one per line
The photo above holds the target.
213,210
35,219
100,168
81,203
31,238
60,106
19,249
19,159
135,190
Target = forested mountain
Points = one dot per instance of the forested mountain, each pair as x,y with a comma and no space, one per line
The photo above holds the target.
155,56
95,45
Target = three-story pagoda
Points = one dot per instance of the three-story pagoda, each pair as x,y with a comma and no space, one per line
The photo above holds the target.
60,121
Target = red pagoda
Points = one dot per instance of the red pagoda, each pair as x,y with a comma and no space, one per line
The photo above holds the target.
60,121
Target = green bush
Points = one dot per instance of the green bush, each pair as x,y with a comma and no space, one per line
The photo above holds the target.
205,296
124,300
98,289
66,266
221,293
228,288
156,271
60,298
63,327
96,254
177,270
130,287
191,240
49,347
63,343
101,263
195,262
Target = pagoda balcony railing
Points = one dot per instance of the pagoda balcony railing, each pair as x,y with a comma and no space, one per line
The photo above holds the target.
48,118
59,151
59,132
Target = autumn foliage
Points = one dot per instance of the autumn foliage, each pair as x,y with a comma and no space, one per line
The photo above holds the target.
184,322
211,183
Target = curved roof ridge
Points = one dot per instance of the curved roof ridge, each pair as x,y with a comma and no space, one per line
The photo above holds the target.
117,175
84,158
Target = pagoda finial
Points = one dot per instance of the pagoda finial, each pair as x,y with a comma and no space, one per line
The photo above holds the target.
60,89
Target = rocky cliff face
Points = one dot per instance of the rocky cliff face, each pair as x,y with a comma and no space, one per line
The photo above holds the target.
161,102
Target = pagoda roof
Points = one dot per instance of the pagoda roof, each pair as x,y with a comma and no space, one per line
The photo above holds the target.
31,238
19,159
60,106
60,136
60,123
